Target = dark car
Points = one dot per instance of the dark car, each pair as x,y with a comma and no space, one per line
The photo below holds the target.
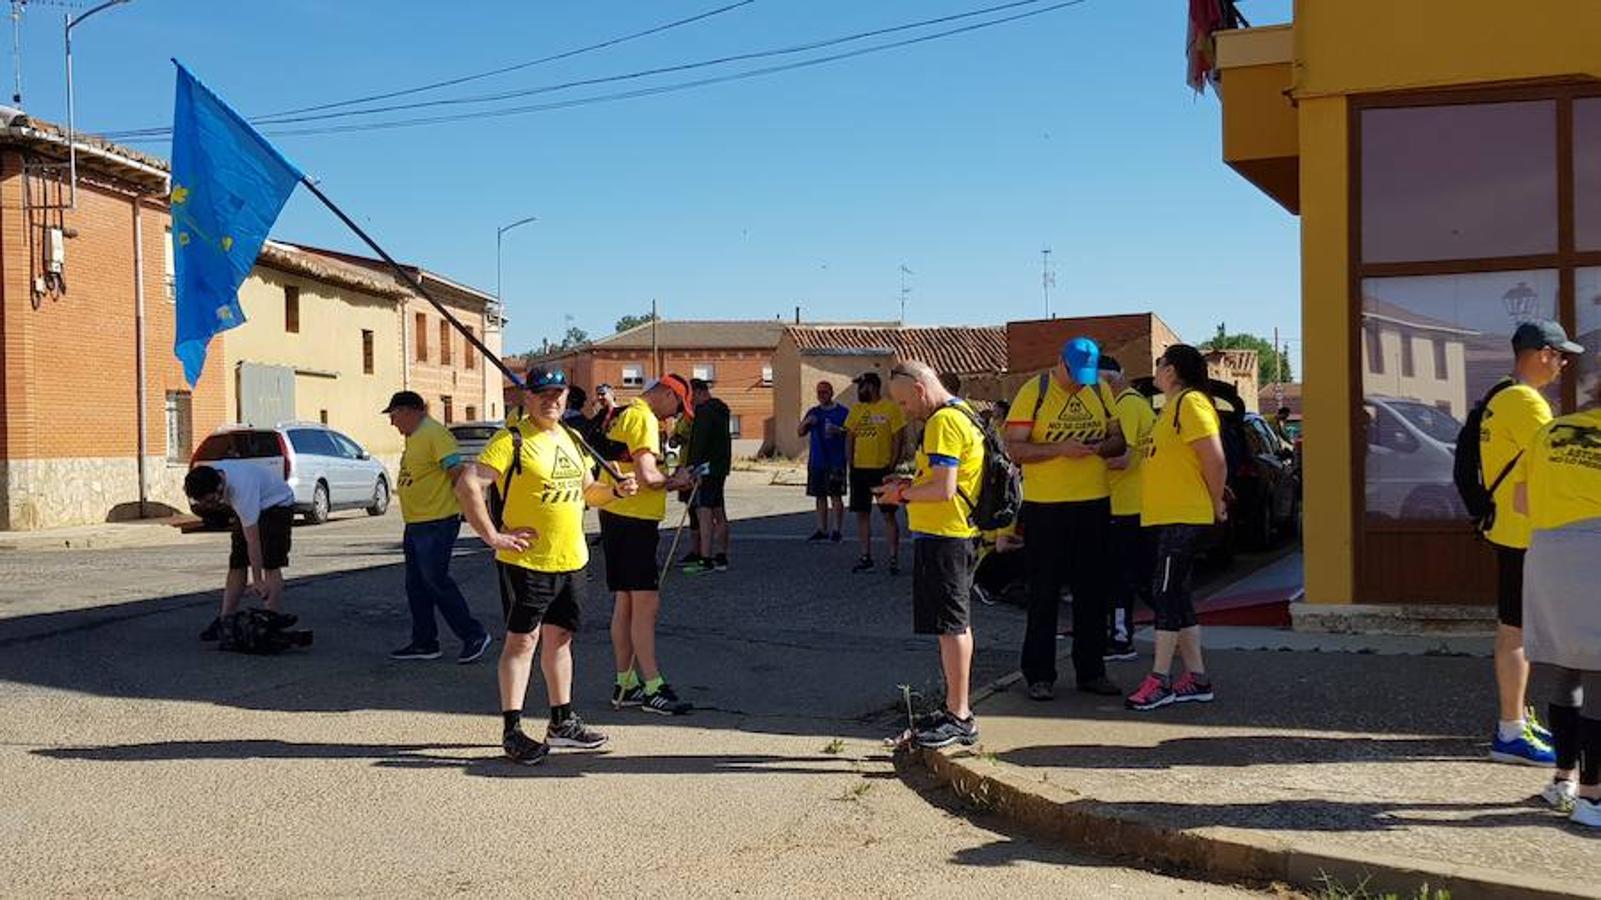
1264,477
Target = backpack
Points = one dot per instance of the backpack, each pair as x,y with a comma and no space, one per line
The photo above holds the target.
1045,385
499,491
1467,469
593,432
260,632
1000,485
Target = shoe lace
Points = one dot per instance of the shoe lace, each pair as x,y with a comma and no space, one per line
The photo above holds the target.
1149,687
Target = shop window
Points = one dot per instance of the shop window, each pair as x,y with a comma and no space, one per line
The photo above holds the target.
1458,182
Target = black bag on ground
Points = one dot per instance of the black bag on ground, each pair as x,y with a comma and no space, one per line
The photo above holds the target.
1000,484
260,632
1467,469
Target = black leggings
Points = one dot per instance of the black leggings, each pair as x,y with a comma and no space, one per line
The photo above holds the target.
1176,547
1575,714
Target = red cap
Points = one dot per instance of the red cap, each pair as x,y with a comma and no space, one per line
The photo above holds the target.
680,389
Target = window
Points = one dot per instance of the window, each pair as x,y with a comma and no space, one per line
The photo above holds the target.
1442,363
291,309
366,352
494,410
1409,365
421,331
313,442
633,375
180,425
704,371
448,404
1587,300
1375,348
347,447
470,358
172,268
444,342
733,426
1587,175
322,416
471,413
767,375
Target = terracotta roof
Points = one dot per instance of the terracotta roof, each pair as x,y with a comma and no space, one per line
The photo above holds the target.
286,258
683,334
948,348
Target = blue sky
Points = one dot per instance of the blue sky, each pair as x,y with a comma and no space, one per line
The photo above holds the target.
958,158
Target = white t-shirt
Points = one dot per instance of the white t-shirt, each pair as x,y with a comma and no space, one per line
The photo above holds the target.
251,489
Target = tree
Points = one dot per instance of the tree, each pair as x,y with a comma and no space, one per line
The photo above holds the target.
574,338
1272,366
627,322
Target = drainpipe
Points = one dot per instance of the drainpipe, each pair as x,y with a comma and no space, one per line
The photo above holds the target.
139,346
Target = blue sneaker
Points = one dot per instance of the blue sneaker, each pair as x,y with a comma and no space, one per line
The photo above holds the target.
1524,750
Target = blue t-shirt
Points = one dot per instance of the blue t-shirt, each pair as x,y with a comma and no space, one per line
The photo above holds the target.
827,452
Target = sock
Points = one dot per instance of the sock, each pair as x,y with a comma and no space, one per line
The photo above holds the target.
1510,731
560,714
1564,721
654,685
513,719
1589,751
1167,680
627,680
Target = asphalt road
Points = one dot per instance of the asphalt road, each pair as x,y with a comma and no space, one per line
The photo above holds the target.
136,761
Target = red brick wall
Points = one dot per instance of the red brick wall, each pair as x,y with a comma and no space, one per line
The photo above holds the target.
431,377
69,364
1035,344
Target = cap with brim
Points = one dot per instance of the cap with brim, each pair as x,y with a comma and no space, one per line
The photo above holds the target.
405,400
1544,334
1082,357
680,389
540,379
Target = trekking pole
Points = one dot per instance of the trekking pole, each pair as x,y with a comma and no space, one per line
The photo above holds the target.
689,506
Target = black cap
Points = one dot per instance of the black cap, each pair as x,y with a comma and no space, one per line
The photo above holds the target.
540,378
868,378
1110,364
1542,334
406,400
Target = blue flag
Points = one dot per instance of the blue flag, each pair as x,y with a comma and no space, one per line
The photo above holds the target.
228,186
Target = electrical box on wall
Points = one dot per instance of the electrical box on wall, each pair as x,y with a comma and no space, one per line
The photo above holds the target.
55,250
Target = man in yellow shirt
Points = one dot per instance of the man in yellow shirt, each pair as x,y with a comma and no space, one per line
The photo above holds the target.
1514,413
628,535
938,500
429,466
544,482
875,432
1061,430
1128,548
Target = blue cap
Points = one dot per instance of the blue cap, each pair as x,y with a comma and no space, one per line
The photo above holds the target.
542,379
1082,357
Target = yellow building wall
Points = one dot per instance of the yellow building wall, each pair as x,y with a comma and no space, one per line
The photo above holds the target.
329,341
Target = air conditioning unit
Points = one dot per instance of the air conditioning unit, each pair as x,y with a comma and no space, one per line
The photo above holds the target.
56,251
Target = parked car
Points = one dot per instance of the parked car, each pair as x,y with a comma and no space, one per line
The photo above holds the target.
327,470
1411,451
472,437
1264,475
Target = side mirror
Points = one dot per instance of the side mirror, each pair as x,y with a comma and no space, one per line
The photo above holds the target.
364,455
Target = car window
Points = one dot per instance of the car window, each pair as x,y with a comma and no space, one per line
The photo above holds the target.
346,446
313,442
238,445
1432,421
1393,434
473,433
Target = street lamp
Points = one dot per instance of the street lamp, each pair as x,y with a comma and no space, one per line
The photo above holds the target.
500,233
72,136
1521,302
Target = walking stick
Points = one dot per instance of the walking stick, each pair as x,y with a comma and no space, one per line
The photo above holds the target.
689,507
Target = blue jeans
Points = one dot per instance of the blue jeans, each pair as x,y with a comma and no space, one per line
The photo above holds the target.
428,547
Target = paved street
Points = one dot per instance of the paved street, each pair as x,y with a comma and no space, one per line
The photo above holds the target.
139,761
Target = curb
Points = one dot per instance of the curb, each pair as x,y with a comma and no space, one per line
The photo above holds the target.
1217,854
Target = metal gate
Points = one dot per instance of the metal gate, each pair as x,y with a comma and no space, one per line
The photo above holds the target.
266,394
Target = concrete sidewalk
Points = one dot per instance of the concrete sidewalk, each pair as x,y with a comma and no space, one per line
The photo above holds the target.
102,536
1355,767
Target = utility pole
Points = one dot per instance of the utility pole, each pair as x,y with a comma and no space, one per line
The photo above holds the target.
906,291
655,352
1047,279
16,51
72,129
1278,371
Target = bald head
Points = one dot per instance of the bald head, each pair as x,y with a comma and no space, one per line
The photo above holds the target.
917,388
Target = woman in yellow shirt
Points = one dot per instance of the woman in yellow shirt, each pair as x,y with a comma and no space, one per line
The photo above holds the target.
1182,498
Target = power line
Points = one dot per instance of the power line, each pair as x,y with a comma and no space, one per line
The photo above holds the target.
645,73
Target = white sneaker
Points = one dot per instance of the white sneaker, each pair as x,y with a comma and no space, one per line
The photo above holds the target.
1559,795
1586,812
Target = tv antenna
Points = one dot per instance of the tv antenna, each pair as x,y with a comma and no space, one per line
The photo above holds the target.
1047,278
906,291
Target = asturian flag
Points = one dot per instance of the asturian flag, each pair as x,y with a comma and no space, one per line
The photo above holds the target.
228,187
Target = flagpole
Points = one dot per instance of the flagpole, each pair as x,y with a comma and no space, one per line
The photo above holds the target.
416,285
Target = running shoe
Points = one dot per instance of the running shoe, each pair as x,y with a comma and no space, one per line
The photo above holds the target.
1539,729
665,702
213,631
863,564
817,537
472,651
835,537
524,750
416,651
1189,689
690,559
1524,750
1041,690
981,595
1153,692
945,729
1586,812
1120,651
720,561
574,733
699,567
623,697
1560,795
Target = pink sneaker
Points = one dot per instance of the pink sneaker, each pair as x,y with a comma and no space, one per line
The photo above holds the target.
1189,689
1152,692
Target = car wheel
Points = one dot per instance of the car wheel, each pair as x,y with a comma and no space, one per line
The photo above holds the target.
380,499
318,513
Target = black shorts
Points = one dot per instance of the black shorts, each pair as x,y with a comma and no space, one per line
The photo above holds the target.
1509,585
275,525
825,482
862,483
630,548
942,584
531,599
710,493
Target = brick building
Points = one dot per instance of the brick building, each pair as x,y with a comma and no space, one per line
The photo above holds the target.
72,284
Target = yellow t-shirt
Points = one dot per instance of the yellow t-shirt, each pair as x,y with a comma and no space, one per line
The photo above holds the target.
1082,416
875,426
637,427
424,487
1563,470
1509,425
1135,415
547,496
1175,491
949,438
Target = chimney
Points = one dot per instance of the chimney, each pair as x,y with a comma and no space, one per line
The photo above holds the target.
797,314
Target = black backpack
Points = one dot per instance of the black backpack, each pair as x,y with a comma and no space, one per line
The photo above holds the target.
1467,469
1000,485
260,632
